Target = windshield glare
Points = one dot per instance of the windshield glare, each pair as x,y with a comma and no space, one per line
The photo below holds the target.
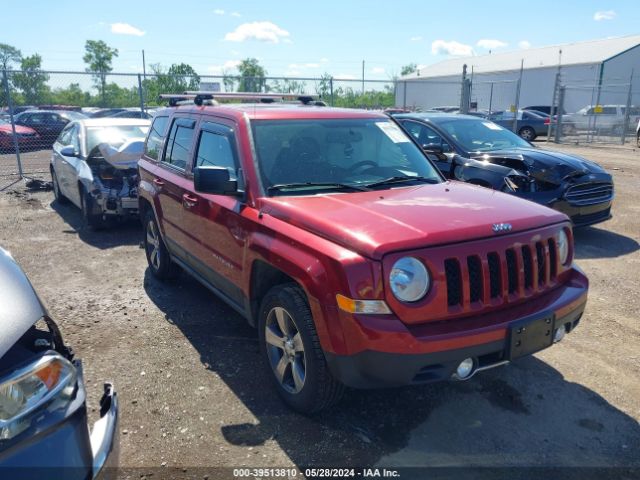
482,135
115,136
346,151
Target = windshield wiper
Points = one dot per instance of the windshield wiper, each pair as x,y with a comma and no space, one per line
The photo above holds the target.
305,185
401,179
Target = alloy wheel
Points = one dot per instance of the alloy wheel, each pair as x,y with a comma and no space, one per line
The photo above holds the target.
285,350
153,245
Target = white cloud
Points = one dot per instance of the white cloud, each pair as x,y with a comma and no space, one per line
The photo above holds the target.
524,44
262,31
225,67
218,11
456,49
604,15
490,44
416,38
126,29
378,70
235,14
324,60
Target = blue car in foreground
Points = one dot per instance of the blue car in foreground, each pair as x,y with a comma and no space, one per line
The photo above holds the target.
44,431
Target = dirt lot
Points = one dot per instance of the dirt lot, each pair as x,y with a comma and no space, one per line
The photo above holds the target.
194,393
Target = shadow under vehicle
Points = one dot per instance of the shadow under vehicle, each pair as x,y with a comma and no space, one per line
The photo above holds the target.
528,412
43,412
483,153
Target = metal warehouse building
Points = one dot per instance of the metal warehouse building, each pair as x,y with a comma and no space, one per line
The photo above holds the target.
592,72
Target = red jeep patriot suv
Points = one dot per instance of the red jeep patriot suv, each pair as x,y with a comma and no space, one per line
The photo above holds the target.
334,235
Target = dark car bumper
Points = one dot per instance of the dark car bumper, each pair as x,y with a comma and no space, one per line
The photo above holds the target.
66,449
373,369
584,216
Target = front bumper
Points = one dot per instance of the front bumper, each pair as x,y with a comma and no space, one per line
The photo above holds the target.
65,449
433,352
105,445
585,215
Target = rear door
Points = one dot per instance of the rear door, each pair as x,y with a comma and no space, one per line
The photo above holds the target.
216,221
171,181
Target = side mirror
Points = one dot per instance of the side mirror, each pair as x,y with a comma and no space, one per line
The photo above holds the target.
214,180
433,148
69,151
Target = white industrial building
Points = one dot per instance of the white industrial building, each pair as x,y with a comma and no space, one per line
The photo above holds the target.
593,72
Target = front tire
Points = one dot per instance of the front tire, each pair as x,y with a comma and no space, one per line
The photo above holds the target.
90,220
57,193
291,348
158,258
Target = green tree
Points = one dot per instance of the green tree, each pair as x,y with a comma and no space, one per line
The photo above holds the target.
252,76
71,95
177,79
98,57
31,80
183,77
323,87
229,81
8,55
408,69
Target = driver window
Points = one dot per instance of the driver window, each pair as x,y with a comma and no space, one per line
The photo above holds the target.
74,138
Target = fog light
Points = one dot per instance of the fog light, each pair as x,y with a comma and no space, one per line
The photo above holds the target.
465,369
559,334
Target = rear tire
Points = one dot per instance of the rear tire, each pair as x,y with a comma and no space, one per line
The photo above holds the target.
292,352
57,193
527,133
158,258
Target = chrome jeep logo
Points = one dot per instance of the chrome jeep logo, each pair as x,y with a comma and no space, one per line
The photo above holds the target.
501,227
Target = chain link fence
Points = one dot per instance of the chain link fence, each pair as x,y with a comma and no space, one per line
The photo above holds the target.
610,115
36,105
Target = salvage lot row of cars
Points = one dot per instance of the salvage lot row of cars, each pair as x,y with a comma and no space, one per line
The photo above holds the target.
338,234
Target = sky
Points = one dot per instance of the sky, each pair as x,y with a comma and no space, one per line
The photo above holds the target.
303,38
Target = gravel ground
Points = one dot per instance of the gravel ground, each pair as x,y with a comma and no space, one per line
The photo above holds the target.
194,393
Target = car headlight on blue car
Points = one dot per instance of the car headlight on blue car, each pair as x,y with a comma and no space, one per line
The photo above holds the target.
409,279
50,379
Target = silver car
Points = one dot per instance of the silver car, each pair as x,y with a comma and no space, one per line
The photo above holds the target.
94,166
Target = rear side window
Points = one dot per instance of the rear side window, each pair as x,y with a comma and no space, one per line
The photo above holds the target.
154,142
215,150
179,142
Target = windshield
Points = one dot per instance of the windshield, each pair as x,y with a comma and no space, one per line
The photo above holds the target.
337,153
482,135
114,135
71,115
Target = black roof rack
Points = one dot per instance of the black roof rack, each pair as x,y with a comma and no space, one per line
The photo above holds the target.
199,97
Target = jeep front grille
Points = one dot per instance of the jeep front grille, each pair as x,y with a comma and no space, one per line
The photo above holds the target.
514,272
589,194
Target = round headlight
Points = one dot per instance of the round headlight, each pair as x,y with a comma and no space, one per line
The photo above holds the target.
563,247
409,279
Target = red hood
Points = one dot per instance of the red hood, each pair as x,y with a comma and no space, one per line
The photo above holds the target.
378,222
19,129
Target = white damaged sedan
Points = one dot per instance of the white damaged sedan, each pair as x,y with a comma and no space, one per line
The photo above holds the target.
94,166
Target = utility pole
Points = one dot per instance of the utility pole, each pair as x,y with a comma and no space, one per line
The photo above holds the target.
362,77
144,74
517,105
